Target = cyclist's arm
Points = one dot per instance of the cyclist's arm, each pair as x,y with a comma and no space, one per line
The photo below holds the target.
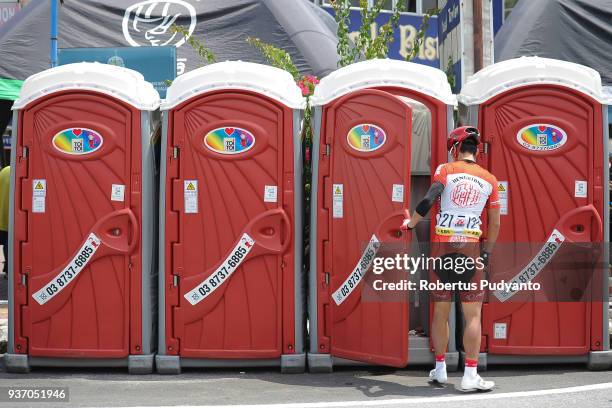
426,203
493,221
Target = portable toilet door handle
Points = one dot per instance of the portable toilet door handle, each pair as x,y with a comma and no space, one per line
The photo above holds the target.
575,224
112,230
271,232
389,229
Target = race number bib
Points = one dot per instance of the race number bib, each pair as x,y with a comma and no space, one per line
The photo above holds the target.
222,274
349,285
70,272
458,224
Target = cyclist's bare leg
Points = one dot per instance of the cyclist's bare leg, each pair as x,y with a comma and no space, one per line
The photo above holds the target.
472,331
440,326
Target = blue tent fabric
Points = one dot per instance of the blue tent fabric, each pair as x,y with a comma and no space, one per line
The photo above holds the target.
224,25
578,31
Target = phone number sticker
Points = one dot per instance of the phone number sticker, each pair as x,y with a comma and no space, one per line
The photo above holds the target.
70,272
222,274
533,268
356,276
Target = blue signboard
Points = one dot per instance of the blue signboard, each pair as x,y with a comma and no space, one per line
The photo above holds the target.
404,36
156,64
450,39
498,15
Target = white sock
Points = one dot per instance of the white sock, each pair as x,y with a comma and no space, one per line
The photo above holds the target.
470,372
440,366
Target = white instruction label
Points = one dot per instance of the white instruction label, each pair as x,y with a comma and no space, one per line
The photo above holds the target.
191,196
270,194
580,189
38,204
337,201
499,331
39,194
118,192
70,272
364,263
223,272
502,190
397,195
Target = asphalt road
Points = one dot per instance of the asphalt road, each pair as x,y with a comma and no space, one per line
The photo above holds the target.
558,386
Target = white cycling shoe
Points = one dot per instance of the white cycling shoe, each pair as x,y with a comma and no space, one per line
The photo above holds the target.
438,376
475,383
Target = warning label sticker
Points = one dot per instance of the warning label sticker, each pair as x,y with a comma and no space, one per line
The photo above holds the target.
39,194
502,190
39,187
337,201
191,196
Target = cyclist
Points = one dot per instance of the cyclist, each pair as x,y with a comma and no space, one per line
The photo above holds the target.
464,189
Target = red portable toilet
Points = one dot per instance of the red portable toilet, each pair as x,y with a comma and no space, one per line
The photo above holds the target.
230,220
545,132
82,220
369,120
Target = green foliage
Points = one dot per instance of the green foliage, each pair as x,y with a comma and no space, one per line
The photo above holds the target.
275,56
342,16
206,54
368,44
450,75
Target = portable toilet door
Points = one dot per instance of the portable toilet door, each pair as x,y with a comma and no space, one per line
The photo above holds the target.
230,228
544,125
361,187
82,219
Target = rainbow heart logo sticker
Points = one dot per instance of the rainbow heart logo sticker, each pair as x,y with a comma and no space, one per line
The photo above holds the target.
366,137
229,140
541,137
77,141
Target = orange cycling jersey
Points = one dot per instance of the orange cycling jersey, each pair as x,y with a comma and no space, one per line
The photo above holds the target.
468,189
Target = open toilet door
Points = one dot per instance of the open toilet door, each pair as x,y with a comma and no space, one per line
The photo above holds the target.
366,191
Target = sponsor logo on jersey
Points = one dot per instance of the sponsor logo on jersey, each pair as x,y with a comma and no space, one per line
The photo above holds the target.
465,194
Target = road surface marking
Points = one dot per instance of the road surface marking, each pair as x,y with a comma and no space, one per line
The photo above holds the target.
411,401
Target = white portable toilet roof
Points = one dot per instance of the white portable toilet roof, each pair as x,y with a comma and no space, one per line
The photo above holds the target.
513,73
384,72
124,84
269,81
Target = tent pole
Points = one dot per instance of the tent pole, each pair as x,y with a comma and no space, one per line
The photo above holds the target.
54,24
